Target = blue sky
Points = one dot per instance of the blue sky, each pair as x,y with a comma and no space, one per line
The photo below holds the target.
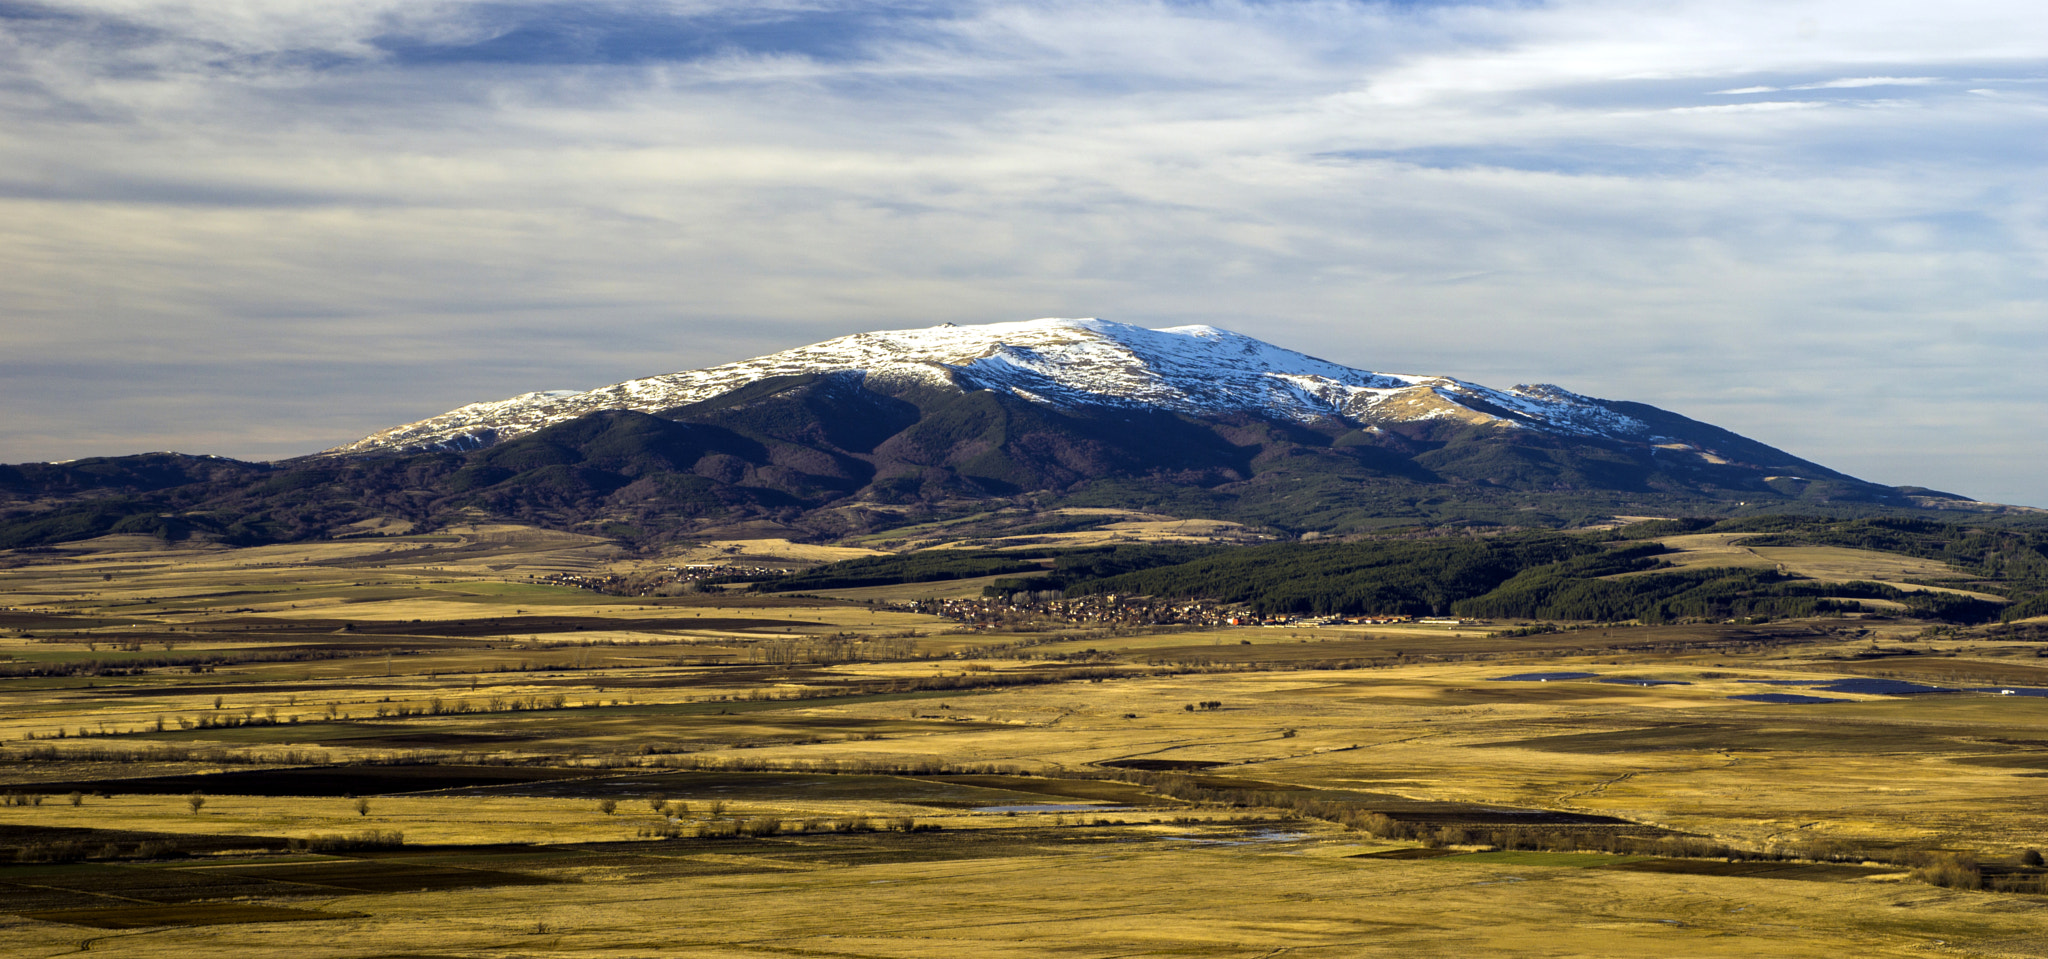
263,228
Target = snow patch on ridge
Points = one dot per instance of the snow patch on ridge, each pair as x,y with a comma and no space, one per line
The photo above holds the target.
1070,363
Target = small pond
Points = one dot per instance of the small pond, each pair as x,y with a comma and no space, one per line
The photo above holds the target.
1250,838
1857,684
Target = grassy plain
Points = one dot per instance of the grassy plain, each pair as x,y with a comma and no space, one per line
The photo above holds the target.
1077,791
1828,564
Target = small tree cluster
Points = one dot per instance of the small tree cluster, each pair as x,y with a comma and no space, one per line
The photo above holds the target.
344,842
1949,871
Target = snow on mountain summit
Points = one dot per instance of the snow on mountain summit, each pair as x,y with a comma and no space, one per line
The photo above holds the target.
1066,363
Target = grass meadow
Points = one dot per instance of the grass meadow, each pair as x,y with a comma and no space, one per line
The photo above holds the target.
411,745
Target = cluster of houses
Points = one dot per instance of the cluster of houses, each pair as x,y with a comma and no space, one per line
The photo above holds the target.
612,585
1277,621
698,572
1023,609
607,584
1373,620
1108,610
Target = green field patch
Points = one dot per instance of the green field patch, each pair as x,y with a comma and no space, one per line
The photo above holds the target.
195,914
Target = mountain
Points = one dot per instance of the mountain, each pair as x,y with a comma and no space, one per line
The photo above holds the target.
1067,365
877,430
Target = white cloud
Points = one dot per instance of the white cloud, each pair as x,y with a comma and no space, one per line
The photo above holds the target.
1852,83
1511,193
1760,106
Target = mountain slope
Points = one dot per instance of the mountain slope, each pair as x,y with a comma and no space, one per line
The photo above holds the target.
877,430
1064,364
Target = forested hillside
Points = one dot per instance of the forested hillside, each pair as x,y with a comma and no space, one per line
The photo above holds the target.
1600,576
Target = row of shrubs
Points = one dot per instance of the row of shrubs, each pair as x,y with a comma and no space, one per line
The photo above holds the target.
1959,871
60,851
79,851
760,826
348,841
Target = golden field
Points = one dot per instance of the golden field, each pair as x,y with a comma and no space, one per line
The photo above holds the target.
935,792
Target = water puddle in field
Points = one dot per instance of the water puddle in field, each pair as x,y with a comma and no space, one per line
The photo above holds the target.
1262,837
1632,681
1879,687
1861,685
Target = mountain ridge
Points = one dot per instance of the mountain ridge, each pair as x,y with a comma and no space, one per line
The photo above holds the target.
875,431
1064,363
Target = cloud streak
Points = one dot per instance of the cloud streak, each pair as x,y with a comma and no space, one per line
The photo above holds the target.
438,203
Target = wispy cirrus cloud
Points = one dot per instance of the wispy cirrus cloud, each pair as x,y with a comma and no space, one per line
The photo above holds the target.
1732,209
1857,83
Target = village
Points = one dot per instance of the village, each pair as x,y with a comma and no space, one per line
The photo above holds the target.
612,584
1023,611
1020,611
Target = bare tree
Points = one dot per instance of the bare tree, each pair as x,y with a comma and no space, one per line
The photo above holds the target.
362,807
195,801
608,806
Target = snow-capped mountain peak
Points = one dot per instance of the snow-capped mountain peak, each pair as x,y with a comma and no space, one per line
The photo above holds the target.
1066,363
